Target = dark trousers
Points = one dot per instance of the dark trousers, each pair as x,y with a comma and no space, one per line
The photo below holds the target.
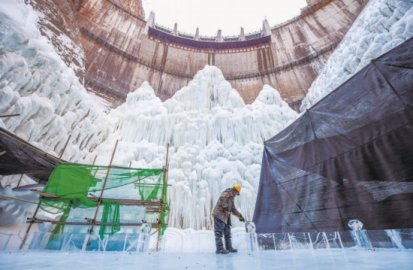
222,230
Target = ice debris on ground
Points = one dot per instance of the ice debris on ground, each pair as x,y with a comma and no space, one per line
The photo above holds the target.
381,26
216,139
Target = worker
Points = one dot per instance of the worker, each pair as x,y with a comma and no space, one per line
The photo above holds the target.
222,219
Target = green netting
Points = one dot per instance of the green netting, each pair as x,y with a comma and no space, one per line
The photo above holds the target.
79,186
67,180
150,192
59,227
71,183
110,214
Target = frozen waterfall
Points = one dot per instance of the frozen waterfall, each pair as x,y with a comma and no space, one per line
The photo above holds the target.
216,141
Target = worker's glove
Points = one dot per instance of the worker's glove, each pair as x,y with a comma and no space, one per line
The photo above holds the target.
242,219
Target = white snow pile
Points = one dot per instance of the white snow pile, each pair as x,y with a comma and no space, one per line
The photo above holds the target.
216,141
35,83
382,25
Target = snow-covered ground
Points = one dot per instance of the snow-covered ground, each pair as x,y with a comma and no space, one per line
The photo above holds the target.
297,259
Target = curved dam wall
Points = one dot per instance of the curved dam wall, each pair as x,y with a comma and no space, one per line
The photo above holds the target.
123,49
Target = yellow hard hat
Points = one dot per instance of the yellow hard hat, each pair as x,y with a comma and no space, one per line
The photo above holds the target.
237,187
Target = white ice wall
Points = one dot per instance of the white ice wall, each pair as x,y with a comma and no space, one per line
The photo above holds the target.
36,83
382,25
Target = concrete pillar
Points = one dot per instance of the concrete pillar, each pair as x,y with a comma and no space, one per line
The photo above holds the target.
196,34
175,31
151,19
266,29
219,36
150,22
242,34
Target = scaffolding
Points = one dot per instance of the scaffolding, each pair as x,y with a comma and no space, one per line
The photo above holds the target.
99,201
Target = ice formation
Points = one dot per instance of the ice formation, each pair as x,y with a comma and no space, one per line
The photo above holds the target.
16,211
36,83
216,140
381,26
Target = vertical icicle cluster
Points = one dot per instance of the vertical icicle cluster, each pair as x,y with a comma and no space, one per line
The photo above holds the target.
35,83
216,141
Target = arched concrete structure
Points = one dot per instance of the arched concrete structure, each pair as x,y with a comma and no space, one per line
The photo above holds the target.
123,49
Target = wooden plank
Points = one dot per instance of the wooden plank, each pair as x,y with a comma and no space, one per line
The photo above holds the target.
45,194
9,115
26,143
129,201
152,204
89,222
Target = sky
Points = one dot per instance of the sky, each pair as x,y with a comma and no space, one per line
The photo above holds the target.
227,15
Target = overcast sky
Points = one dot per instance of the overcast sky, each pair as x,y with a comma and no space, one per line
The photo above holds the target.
228,15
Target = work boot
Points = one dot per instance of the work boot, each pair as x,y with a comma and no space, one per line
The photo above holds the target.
220,246
222,251
228,245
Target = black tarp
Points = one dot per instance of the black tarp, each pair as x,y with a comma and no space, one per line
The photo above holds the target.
20,157
349,156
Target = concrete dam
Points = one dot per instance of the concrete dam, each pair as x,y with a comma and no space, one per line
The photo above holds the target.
122,48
